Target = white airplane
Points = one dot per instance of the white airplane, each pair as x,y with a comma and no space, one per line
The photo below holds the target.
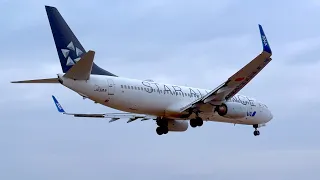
171,106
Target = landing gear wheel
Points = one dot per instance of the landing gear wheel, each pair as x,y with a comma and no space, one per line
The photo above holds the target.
193,123
165,130
196,122
256,133
162,130
199,121
159,131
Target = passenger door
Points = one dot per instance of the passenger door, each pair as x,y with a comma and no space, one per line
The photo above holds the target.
111,87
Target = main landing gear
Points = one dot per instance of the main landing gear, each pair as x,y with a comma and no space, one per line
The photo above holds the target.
196,122
163,127
256,132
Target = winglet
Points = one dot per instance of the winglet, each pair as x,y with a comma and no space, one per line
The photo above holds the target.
59,107
265,44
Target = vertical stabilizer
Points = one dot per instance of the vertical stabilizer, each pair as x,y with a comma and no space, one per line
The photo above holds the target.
68,47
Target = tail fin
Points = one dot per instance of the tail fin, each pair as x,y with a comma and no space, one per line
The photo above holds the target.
68,47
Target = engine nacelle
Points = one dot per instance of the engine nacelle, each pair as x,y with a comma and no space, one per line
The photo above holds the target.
232,110
177,125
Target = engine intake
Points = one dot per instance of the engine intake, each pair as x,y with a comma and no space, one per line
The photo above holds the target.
232,110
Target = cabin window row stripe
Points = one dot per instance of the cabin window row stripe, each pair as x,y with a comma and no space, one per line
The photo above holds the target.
159,91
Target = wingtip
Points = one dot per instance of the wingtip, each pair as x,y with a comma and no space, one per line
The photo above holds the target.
265,43
58,105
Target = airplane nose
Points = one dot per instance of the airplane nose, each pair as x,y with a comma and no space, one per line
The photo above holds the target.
271,115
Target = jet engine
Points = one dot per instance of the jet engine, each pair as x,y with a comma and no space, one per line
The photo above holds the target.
232,110
166,125
177,125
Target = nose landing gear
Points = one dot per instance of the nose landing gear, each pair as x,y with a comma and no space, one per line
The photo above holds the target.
256,132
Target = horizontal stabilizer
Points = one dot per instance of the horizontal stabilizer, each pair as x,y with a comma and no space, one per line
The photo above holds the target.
50,80
82,69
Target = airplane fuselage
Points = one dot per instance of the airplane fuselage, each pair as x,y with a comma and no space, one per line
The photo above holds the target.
158,99
169,105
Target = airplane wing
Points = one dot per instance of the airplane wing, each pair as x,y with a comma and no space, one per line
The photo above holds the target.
236,82
112,116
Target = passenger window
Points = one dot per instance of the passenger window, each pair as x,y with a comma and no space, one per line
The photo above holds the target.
135,88
131,87
125,86
121,86
138,88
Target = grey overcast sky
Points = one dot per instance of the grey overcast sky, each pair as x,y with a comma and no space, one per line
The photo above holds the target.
196,43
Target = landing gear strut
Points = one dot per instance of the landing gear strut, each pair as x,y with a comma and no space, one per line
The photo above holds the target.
196,122
163,127
256,132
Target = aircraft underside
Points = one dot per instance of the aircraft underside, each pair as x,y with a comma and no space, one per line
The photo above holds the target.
165,125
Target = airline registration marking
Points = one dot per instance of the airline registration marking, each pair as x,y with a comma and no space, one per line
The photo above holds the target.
99,89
